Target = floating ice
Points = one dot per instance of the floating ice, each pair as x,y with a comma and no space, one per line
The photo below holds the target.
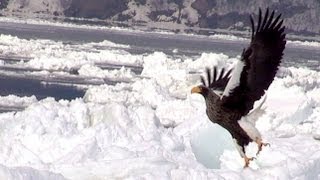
210,144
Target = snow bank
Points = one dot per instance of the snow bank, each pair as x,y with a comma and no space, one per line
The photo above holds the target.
290,43
152,128
13,100
26,173
304,43
228,37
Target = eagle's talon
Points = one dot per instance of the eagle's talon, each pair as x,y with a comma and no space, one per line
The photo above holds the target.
260,144
247,161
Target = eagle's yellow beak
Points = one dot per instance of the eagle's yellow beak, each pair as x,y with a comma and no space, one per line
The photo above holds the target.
196,89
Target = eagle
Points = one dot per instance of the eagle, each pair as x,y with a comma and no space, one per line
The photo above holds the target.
246,83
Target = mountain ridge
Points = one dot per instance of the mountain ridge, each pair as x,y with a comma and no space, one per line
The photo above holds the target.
301,17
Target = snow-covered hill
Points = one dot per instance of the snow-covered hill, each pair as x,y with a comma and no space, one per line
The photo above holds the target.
301,16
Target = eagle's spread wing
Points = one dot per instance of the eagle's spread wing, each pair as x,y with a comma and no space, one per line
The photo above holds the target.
215,81
258,66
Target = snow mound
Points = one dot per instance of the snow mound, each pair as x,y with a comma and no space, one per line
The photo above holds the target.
26,173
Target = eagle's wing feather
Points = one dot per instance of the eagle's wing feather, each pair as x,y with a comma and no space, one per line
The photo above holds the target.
216,82
258,65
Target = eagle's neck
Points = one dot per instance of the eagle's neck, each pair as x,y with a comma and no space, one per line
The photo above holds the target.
213,108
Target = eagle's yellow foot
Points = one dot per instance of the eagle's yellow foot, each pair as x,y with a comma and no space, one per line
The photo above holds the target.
247,161
260,144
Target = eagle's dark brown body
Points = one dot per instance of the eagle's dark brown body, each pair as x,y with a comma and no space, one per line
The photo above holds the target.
228,119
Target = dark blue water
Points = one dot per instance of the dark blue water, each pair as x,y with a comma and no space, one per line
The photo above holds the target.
28,87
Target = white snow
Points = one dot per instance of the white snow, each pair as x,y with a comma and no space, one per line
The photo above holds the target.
13,100
305,43
27,173
151,128
228,37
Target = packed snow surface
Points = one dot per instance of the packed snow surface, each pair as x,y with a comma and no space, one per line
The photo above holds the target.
151,127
